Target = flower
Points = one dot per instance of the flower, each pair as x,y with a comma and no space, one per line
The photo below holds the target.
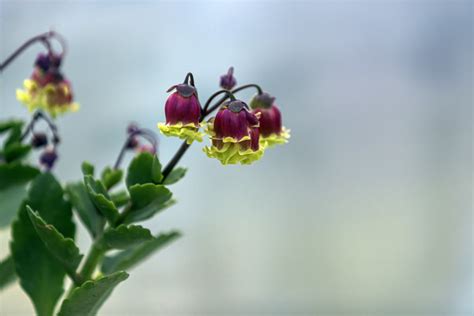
39,140
47,88
183,112
228,80
271,130
48,158
234,135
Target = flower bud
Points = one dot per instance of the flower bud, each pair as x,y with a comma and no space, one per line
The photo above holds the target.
47,87
132,143
271,130
228,80
234,135
39,140
48,158
183,112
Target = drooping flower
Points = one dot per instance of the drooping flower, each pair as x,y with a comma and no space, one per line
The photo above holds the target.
182,111
272,132
234,135
47,88
48,158
228,80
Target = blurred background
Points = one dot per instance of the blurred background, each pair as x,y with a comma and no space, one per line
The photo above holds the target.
368,209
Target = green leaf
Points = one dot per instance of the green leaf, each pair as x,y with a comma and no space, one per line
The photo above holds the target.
13,180
99,196
41,275
175,175
7,125
14,136
120,198
123,236
129,258
15,151
144,168
63,249
89,297
111,177
87,169
88,213
7,272
16,173
147,200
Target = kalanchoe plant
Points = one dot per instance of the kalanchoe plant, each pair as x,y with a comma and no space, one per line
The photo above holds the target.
111,203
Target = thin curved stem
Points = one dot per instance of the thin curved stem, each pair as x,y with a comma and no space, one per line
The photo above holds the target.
206,110
43,38
238,89
30,127
145,133
189,79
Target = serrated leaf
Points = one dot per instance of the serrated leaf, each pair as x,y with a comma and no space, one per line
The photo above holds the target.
41,275
100,198
63,249
7,272
89,297
129,258
111,177
144,168
87,211
13,180
175,175
87,169
123,237
147,200
120,198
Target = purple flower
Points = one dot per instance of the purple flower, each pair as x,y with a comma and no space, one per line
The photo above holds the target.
228,80
183,105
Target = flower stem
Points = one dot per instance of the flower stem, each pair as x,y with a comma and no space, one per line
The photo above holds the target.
43,38
93,258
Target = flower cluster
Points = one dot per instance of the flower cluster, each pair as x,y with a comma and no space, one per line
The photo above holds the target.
47,88
238,134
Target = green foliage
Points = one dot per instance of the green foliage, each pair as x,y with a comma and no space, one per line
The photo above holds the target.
100,198
89,297
87,169
144,168
147,200
16,151
123,237
41,275
7,272
175,175
63,249
120,198
86,210
129,258
111,177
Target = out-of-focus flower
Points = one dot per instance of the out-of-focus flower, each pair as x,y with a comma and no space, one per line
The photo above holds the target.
234,135
39,140
272,132
228,80
48,158
47,88
182,111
